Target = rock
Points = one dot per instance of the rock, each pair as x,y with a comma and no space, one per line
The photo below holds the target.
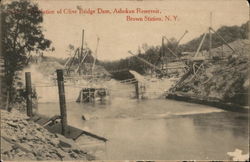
53,142
77,151
67,158
39,158
20,154
30,156
74,155
24,147
11,123
5,145
25,140
61,153
66,149
83,117
39,129
10,156
24,122
29,137
4,157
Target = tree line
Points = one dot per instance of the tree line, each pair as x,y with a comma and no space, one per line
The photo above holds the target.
21,35
154,54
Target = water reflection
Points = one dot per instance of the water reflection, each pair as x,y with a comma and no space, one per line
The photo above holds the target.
236,122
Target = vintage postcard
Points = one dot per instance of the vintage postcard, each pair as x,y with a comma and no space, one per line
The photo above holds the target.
124,80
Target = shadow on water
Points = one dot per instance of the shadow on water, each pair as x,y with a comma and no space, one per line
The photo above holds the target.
235,122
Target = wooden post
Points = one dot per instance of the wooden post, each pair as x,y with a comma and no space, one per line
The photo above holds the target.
61,91
200,45
137,89
28,94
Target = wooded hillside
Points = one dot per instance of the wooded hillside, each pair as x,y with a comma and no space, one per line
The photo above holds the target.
152,53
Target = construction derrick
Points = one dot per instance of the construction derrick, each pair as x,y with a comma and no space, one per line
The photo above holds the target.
197,65
163,58
79,57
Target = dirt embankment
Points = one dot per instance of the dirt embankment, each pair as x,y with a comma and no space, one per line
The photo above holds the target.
22,139
224,81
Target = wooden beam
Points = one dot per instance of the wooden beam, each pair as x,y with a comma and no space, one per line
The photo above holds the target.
78,68
200,45
148,63
72,60
169,48
181,38
68,60
222,39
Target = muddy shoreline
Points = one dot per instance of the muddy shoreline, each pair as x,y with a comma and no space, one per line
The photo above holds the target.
215,102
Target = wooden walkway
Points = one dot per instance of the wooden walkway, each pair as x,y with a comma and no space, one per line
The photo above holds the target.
129,81
53,125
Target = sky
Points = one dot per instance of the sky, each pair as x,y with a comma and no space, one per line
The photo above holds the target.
118,36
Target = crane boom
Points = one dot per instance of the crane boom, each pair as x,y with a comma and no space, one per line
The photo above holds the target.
145,61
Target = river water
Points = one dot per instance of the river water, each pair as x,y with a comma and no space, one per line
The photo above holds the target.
158,129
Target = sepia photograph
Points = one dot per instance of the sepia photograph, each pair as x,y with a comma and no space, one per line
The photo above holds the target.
125,80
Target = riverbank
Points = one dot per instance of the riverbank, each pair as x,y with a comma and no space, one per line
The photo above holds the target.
208,101
222,83
22,139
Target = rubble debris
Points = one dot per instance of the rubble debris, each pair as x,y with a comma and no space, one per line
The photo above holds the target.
22,139
224,80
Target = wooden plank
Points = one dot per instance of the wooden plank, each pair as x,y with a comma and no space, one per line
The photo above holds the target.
42,119
72,132
72,60
200,45
35,118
